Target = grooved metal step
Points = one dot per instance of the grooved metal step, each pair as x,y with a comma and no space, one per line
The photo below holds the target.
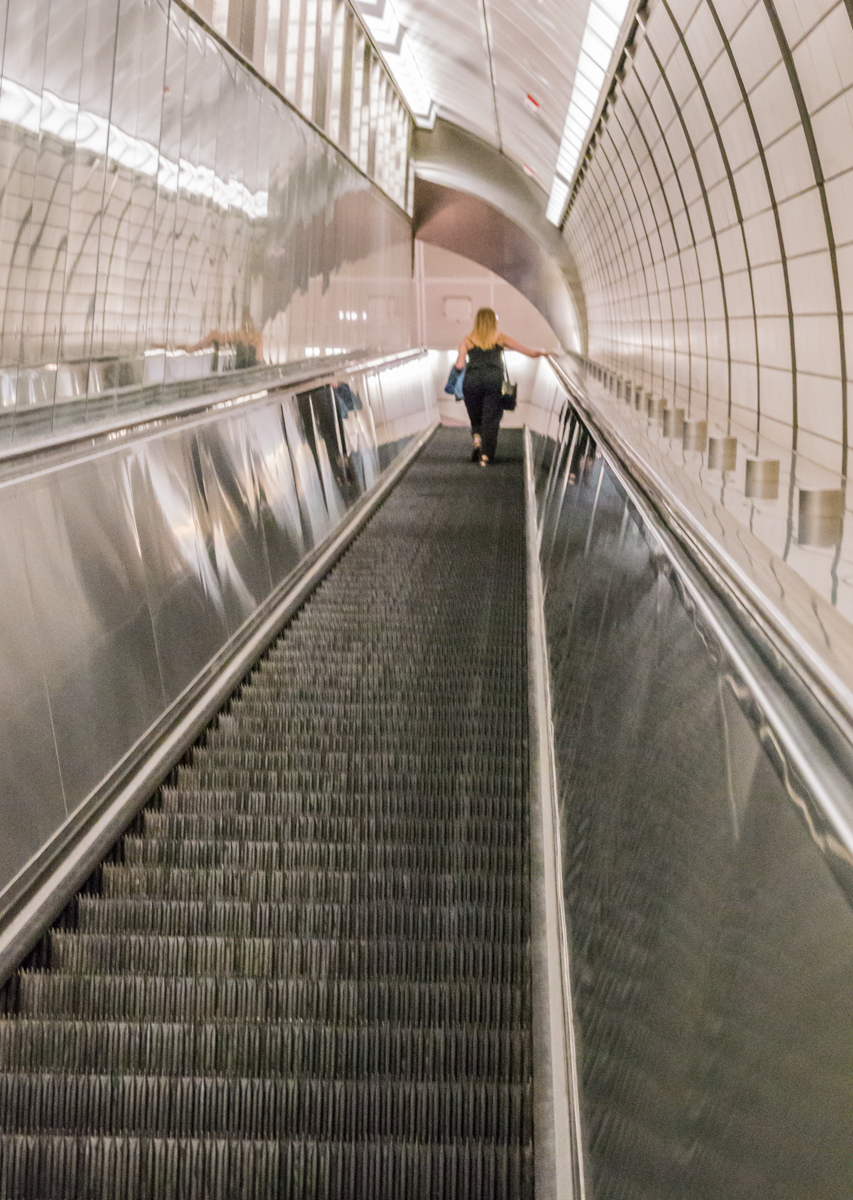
306,972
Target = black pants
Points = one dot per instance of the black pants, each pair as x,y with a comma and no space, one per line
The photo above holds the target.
482,393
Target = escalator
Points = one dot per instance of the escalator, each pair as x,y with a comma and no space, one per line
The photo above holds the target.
305,971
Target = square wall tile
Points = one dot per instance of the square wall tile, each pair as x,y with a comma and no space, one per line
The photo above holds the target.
833,133
790,164
774,342
755,47
768,283
817,345
751,186
812,284
819,405
839,196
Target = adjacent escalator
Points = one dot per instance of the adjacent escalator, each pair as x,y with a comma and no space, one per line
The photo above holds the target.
305,971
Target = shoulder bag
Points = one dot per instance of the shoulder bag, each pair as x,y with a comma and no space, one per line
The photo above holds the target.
509,391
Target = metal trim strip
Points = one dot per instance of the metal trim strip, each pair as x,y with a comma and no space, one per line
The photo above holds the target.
558,1134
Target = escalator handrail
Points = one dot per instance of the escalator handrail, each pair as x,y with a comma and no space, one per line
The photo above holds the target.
248,388
800,710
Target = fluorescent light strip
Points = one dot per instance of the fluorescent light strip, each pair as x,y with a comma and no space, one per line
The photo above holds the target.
390,38
67,122
603,23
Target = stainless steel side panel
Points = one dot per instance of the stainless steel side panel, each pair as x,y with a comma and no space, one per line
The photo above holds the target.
226,489
712,931
91,616
277,498
124,572
181,583
33,804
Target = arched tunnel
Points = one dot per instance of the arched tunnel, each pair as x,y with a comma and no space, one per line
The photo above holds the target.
426,580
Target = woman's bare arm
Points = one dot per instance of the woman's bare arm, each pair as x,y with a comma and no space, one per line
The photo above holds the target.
510,343
462,355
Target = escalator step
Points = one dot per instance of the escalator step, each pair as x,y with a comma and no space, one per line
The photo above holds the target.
342,887
283,958
498,924
59,1167
350,855
466,831
272,1050
351,803
209,998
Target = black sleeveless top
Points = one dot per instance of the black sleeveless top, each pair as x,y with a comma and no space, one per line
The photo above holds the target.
485,361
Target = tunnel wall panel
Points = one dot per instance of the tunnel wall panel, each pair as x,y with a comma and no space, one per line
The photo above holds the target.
712,225
165,215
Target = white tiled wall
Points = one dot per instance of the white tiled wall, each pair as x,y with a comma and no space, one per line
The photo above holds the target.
713,227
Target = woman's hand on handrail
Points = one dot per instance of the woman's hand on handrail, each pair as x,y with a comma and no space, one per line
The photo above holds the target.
509,343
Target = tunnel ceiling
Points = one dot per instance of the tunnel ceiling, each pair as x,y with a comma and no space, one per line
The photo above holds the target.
468,194
482,59
469,225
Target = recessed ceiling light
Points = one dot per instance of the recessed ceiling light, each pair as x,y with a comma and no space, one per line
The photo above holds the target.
603,23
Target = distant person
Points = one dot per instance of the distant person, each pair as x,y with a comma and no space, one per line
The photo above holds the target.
480,355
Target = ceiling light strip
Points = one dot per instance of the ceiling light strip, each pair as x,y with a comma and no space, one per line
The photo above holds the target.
389,37
603,24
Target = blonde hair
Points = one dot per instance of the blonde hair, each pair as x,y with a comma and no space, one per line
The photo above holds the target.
484,335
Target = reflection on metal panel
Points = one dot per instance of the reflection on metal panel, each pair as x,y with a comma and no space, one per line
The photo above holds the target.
277,496
238,542
91,616
182,224
310,490
124,574
187,611
712,943
32,798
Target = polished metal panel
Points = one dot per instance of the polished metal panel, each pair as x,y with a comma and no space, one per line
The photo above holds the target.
710,897
91,617
184,596
722,453
166,219
127,564
226,488
276,490
33,803
312,500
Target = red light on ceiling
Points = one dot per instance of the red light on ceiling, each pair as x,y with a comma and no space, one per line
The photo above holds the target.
532,102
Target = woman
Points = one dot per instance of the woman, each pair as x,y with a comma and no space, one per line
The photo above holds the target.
481,388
